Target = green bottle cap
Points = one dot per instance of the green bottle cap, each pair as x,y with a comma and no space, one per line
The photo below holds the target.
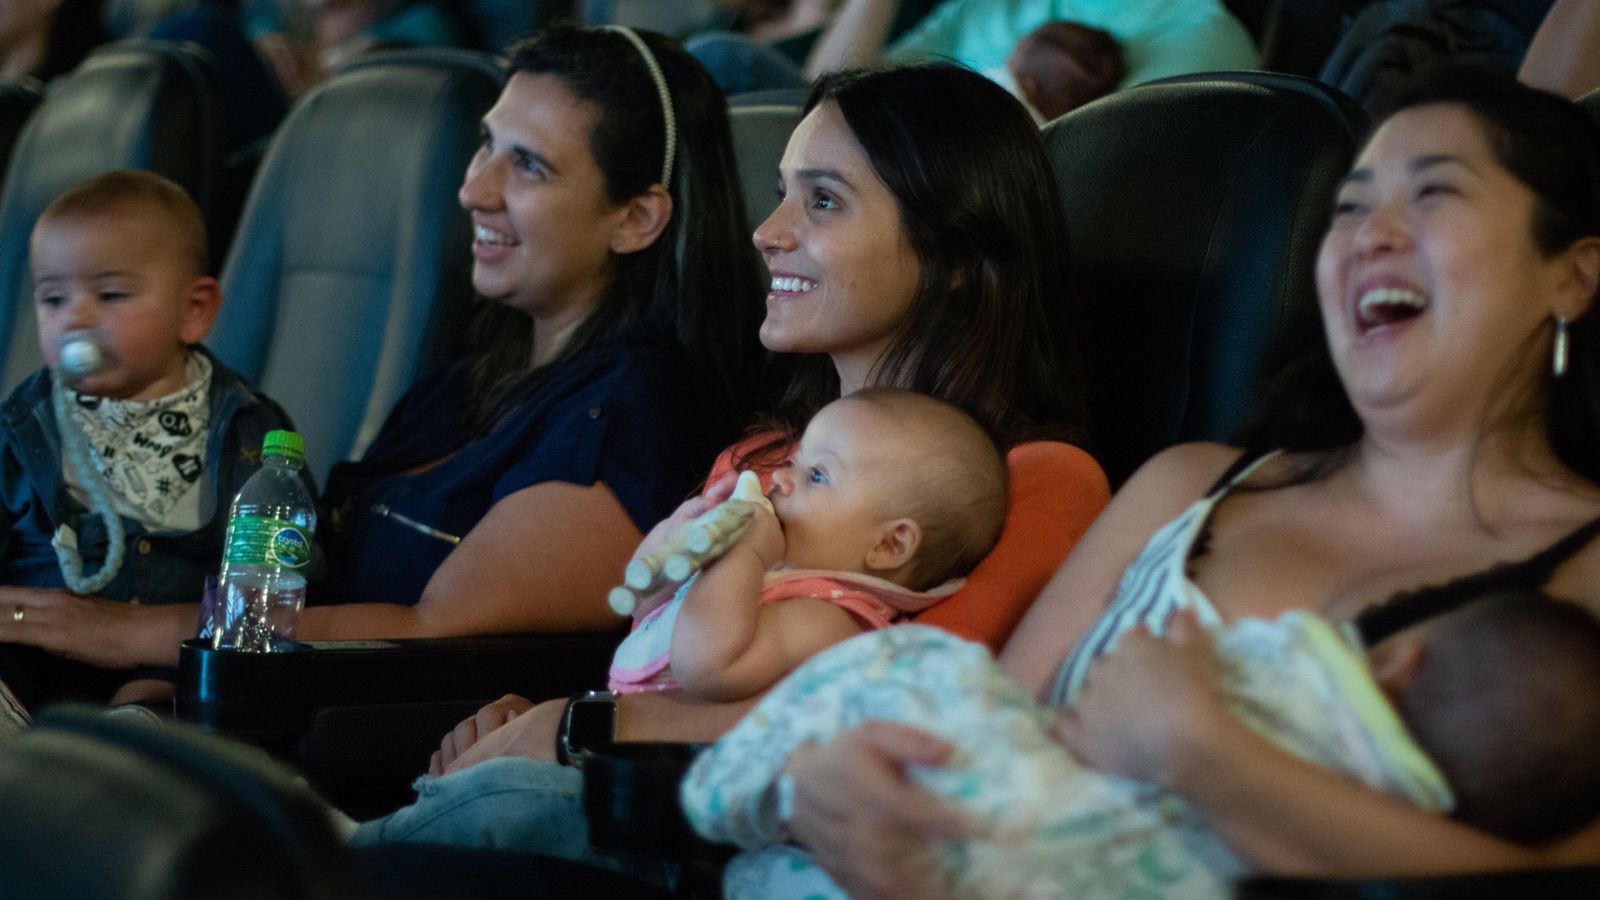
284,443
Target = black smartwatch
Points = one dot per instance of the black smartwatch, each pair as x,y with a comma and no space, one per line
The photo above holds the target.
589,721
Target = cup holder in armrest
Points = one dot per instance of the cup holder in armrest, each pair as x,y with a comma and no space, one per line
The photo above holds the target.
630,797
361,718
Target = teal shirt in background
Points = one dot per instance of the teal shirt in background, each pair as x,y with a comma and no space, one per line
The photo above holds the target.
1158,37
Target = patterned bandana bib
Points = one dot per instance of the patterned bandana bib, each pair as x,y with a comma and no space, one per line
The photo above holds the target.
151,453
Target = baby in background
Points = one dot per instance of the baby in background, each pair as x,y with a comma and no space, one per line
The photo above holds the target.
891,498
1487,711
165,433
1060,66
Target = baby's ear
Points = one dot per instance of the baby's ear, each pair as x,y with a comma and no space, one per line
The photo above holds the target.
200,307
897,545
1395,662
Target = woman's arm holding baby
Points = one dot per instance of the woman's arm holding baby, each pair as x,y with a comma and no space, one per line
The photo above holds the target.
726,644
1152,711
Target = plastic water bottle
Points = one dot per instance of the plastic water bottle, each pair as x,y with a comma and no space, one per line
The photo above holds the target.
262,587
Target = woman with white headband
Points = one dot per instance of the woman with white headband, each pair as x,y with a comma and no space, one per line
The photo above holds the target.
612,358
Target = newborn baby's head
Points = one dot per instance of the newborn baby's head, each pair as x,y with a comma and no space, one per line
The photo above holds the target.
1500,694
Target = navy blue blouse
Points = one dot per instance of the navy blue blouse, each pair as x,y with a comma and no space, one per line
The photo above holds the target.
636,417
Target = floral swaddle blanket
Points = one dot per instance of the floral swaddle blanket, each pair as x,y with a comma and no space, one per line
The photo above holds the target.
1055,828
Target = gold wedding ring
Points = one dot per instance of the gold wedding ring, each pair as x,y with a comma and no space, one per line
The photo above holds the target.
17,614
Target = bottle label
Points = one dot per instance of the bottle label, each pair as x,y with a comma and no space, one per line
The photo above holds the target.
253,540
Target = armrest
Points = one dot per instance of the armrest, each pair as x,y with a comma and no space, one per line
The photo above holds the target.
630,799
1549,884
362,717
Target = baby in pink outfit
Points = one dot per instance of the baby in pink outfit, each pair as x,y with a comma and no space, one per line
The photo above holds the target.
891,498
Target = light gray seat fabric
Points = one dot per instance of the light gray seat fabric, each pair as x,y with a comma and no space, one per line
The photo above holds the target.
666,16
131,105
351,273
761,125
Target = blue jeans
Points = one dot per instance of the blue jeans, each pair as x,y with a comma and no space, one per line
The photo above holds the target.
509,803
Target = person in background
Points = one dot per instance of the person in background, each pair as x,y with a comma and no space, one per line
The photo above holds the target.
1564,56
1159,38
1060,66
305,40
45,39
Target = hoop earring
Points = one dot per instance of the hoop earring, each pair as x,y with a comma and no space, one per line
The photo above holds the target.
1558,361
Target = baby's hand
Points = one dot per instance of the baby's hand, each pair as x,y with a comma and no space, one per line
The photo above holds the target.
694,506
765,537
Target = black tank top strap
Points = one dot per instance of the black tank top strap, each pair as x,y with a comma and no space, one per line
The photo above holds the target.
1408,608
1246,459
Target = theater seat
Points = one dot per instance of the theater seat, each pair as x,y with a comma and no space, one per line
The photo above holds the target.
131,105
1576,883
351,274
761,123
96,807
1296,36
1590,104
93,806
672,17
1195,206
18,100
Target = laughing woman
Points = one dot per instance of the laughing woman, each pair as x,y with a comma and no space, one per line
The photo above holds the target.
1443,445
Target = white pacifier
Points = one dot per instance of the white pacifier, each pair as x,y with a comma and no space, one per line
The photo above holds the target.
79,356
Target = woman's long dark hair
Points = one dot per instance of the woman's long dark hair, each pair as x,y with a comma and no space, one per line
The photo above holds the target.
992,328
1548,144
700,281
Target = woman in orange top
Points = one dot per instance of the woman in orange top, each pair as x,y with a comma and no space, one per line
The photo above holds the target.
918,245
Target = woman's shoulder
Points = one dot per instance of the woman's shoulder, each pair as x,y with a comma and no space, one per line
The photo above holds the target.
1190,469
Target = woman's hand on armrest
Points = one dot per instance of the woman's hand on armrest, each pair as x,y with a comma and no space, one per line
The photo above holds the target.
93,630
474,728
514,726
868,826
541,560
530,734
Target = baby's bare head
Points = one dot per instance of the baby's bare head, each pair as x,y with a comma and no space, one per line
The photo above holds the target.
942,470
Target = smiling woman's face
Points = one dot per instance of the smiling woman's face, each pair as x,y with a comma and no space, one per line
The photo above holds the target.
542,223
843,274
1430,281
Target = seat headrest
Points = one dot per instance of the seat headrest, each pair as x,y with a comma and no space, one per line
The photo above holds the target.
1195,207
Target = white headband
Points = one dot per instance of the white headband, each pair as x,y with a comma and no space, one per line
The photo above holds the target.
661,90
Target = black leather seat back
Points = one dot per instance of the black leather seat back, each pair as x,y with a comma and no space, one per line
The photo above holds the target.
1297,36
131,105
91,806
351,272
1590,103
1194,208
